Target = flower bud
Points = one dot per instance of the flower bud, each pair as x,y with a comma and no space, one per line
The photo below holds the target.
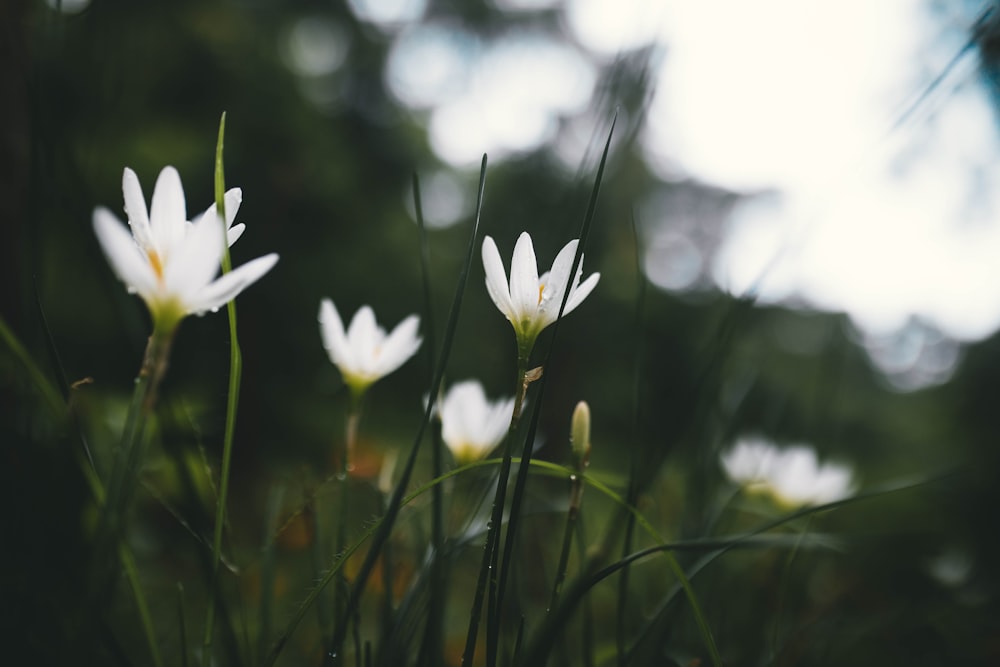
580,435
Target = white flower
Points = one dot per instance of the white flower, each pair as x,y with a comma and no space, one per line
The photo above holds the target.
170,262
364,353
472,425
793,476
531,303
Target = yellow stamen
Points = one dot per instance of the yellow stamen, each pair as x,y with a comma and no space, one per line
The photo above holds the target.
541,290
157,265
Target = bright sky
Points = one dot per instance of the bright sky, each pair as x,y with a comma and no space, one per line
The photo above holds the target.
896,225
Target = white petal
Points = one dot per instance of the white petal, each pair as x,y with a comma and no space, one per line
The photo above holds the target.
401,344
363,337
497,422
524,278
232,200
227,286
581,292
135,209
127,260
234,233
462,408
496,278
196,260
559,273
168,214
332,331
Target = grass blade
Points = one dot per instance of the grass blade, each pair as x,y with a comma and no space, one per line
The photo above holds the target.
235,373
431,652
632,493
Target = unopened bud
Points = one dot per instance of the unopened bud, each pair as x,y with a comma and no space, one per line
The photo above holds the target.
580,435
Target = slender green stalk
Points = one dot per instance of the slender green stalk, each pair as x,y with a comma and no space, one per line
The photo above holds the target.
132,574
128,562
632,495
343,506
488,566
55,403
128,459
235,373
267,571
576,490
432,649
588,610
182,625
783,588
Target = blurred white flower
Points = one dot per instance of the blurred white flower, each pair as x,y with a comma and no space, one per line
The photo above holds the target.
793,476
170,262
471,424
364,353
531,303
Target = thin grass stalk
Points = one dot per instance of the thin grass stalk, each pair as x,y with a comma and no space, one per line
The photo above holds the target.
576,489
432,648
128,458
182,625
488,565
128,561
399,492
129,566
49,394
588,608
783,588
319,553
522,474
145,618
632,495
343,508
233,396
267,571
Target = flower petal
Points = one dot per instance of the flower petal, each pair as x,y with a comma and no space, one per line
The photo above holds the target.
127,261
581,292
232,200
226,287
554,282
364,336
196,260
332,331
234,233
168,214
135,209
524,293
401,344
496,278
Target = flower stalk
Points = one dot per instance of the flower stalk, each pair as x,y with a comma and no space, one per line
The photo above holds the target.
580,441
233,394
488,568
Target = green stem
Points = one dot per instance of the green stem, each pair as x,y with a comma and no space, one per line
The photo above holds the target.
128,458
233,397
128,561
343,507
576,490
488,566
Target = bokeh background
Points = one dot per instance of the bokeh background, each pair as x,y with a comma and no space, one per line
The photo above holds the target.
798,235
